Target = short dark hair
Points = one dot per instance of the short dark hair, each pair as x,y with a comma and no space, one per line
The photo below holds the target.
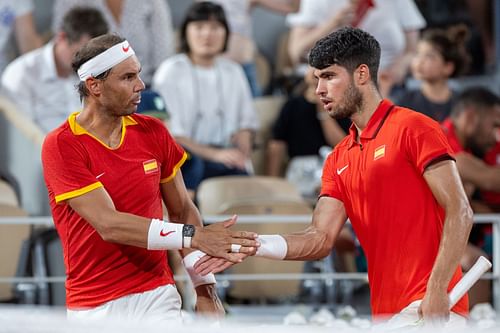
94,47
203,11
347,47
450,43
81,21
479,98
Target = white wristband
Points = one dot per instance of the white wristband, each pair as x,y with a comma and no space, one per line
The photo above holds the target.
196,278
164,235
272,247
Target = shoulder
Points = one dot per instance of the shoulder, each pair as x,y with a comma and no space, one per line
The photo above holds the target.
25,63
172,65
60,137
413,121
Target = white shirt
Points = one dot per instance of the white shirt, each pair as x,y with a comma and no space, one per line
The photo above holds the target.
147,25
207,105
387,22
32,83
10,10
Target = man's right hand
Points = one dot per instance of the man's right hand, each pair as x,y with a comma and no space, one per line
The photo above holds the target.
216,239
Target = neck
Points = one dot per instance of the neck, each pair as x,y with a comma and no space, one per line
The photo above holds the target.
371,101
436,91
203,61
62,71
98,121
459,125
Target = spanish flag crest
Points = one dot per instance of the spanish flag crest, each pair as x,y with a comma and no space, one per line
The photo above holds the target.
379,152
150,166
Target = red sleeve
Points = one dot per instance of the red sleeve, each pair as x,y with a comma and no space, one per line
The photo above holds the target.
426,143
65,168
330,186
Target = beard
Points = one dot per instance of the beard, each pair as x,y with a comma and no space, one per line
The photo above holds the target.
352,101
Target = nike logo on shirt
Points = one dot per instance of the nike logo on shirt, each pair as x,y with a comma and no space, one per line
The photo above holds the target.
339,171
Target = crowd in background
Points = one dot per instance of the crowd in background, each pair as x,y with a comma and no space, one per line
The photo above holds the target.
202,77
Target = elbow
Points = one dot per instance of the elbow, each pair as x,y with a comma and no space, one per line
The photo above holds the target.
468,216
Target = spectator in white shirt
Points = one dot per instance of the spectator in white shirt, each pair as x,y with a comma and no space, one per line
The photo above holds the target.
41,83
394,23
208,97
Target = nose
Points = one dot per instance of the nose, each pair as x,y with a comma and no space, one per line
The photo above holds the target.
320,88
140,86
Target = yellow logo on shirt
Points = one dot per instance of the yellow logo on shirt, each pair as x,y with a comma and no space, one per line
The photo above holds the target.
150,166
379,153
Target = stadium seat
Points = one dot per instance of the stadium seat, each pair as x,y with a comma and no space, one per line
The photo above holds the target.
254,196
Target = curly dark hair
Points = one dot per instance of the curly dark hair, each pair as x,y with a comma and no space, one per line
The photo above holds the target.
347,47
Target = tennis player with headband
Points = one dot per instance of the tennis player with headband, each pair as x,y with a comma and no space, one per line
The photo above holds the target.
107,171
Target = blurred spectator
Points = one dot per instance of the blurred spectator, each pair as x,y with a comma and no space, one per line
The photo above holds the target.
152,104
16,16
208,98
241,47
394,23
302,128
440,55
471,131
145,24
478,15
42,83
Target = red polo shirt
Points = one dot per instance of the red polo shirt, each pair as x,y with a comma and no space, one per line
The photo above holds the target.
392,210
74,163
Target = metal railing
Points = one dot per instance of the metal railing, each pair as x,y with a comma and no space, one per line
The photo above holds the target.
493,219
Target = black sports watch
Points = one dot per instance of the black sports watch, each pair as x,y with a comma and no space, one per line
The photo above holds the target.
187,234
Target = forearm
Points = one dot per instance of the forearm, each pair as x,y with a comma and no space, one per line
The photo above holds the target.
453,242
309,244
203,151
243,141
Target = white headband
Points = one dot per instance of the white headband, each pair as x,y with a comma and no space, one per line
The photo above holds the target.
106,60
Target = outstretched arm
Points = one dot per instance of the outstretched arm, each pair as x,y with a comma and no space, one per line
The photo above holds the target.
444,181
314,242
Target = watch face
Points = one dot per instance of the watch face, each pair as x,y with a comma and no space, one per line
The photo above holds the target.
188,230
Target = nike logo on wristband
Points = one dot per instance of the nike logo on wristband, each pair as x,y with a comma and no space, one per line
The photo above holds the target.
165,234
125,49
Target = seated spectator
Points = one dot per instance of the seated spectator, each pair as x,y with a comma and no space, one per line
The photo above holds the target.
241,46
440,55
302,128
42,83
395,23
471,130
145,24
17,18
208,98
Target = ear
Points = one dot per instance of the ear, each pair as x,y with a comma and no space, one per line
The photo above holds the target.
362,75
94,86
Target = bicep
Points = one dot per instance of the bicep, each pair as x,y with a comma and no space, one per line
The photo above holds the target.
444,181
95,207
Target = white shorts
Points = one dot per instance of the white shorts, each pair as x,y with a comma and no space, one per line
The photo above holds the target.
409,317
159,305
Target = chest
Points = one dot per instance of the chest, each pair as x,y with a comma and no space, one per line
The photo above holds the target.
374,166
